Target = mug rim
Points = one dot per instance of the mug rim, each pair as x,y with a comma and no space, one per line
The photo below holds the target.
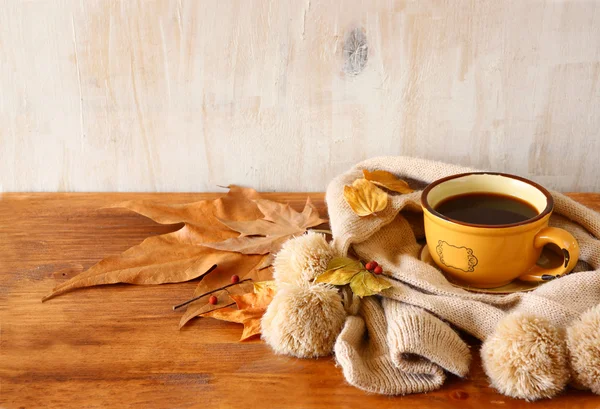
542,214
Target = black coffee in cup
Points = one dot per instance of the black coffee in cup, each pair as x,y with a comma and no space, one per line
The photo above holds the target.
486,209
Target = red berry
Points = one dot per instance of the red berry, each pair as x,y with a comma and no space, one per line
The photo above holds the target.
378,270
371,265
235,279
213,300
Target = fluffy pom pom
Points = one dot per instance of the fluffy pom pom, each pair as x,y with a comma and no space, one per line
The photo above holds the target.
302,258
583,341
526,358
303,321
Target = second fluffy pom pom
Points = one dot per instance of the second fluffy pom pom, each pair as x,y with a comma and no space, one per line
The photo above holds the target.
526,358
583,340
303,321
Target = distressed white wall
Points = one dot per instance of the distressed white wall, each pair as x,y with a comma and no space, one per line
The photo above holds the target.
171,95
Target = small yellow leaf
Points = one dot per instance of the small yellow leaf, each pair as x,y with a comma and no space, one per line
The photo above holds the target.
387,180
264,285
344,262
340,271
365,198
365,284
376,283
340,276
358,285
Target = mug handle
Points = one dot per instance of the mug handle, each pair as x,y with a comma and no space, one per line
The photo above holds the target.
566,242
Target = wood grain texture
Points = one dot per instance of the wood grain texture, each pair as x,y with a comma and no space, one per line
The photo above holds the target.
164,95
119,346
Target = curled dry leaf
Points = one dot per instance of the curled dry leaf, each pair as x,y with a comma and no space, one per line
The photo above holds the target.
365,198
250,309
387,180
177,257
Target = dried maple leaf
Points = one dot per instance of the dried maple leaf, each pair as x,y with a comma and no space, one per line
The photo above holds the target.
387,180
364,198
177,256
250,309
266,235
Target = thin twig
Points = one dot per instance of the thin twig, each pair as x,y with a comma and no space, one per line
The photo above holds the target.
219,308
210,292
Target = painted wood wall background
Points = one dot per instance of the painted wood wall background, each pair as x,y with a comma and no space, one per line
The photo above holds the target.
183,95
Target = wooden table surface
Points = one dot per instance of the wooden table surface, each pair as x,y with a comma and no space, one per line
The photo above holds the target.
119,346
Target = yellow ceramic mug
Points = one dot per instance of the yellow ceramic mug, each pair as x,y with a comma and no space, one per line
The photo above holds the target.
487,256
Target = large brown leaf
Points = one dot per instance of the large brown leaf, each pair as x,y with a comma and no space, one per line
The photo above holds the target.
266,235
177,256
263,236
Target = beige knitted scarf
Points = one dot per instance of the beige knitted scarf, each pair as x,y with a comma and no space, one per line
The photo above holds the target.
406,341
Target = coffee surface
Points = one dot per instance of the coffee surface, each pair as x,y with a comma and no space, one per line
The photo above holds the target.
486,208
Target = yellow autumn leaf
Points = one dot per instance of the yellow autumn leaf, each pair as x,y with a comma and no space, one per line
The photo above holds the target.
365,284
376,283
340,271
387,180
264,285
336,277
365,198
344,262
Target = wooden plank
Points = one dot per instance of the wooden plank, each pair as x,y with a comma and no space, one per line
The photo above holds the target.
119,345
